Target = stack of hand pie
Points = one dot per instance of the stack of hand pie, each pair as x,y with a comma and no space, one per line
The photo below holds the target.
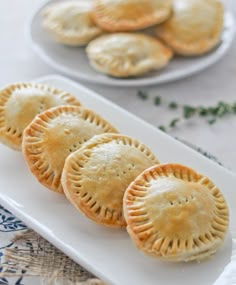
109,27
170,210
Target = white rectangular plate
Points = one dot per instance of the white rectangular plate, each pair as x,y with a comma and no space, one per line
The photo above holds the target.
109,253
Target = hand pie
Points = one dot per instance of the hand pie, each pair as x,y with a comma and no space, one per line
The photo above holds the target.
70,22
129,15
124,55
194,28
175,213
21,102
95,177
53,135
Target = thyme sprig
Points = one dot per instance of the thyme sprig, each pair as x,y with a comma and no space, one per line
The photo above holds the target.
211,113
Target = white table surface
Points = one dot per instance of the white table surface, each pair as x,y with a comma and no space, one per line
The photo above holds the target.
19,63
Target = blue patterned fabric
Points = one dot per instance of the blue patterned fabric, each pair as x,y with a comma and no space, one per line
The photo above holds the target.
9,225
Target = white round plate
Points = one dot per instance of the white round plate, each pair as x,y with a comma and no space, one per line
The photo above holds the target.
72,61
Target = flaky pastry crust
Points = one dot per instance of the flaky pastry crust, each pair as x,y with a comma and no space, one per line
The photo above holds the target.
70,22
95,177
55,134
129,15
175,213
21,102
126,54
194,28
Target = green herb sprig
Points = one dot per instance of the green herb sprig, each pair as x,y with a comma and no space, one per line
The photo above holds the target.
211,113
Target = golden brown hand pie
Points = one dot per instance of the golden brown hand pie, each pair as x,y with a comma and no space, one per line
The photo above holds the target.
95,177
70,22
126,54
194,28
21,102
53,135
175,213
129,15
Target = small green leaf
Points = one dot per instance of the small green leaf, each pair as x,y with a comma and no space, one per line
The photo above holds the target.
174,122
162,128
202,111
223,108
173,105
157,100
213,110
188,111
142,95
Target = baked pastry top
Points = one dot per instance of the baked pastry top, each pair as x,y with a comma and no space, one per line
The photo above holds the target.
175,213
70,22
21,102
53,135
95,177
129,15
127,54
194,28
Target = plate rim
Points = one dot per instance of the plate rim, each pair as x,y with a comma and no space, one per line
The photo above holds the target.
150,81
39,227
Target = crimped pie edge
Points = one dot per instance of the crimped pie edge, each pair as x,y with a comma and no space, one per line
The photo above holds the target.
185,173
39,122
79,159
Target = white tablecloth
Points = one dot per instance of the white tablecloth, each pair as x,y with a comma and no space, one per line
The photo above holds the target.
18,63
